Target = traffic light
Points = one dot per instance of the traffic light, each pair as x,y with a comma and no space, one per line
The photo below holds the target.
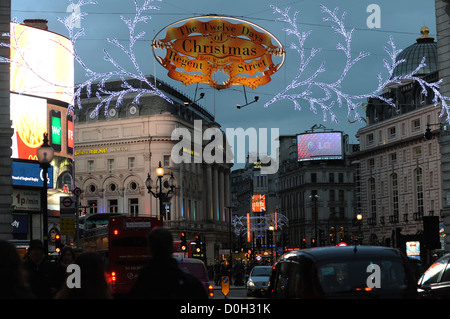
313,242
303,244
269,237
58,244
183,241
332,235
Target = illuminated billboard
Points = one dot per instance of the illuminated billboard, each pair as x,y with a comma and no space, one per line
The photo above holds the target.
259,203
194,50
29,121
42,63
30,174
320,146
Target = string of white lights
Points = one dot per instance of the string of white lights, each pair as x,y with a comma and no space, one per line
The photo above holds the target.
330,93
97,80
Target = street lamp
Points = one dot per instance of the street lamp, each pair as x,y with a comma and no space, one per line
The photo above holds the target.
161,195
45,155
314,197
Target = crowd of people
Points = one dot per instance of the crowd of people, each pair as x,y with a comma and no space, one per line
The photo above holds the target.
35,277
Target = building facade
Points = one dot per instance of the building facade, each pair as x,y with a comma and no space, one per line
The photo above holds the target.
398,171
316,196
116,151
442,8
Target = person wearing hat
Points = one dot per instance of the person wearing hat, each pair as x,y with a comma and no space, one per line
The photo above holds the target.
40,271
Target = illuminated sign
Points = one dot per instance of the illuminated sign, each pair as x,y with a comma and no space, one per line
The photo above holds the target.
413,249
30,174
259,203
199,48
101,150
319,146
42,63
29,121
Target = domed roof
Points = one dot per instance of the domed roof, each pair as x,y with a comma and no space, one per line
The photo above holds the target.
425,47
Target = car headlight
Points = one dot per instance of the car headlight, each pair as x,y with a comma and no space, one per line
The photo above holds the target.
250,283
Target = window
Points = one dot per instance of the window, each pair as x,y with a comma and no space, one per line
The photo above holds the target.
371,163
166,160
113,206
110,164
313,177
90,165
372,197
370,139
394,181
419,190
417,151
393,158
341,195
341,177
133,206
431,276
332,196
416,125
131,162
92,206
331,177
391,132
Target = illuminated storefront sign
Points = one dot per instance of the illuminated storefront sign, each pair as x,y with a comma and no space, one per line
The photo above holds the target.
196,49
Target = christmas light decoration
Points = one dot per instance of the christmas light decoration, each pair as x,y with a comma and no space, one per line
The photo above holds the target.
259,222
330,93
98,79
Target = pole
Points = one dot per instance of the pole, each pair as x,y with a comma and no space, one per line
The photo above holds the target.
45,209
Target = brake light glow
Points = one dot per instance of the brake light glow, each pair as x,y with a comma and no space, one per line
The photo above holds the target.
211,291
116,232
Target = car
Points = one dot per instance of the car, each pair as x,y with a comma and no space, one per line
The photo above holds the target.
435,282
343,272
196,268
258,280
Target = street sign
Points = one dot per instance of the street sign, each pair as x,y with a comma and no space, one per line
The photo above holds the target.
225,285
67,226
67,205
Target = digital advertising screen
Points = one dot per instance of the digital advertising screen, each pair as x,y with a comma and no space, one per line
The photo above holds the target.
319,146
42,63
29,121
259,203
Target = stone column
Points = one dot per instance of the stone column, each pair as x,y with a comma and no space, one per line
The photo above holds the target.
6,132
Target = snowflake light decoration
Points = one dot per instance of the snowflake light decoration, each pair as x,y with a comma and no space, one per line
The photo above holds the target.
98,79
302,88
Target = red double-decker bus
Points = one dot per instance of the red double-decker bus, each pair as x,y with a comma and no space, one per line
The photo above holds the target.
122,240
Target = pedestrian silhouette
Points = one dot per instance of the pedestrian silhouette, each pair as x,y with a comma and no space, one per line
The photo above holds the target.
66,258
161,278
92,278
13,282
40,271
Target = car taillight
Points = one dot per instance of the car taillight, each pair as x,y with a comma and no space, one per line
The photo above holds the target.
211,291
113,277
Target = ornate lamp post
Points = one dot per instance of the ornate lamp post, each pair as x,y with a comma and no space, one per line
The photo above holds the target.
160,194
45,155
